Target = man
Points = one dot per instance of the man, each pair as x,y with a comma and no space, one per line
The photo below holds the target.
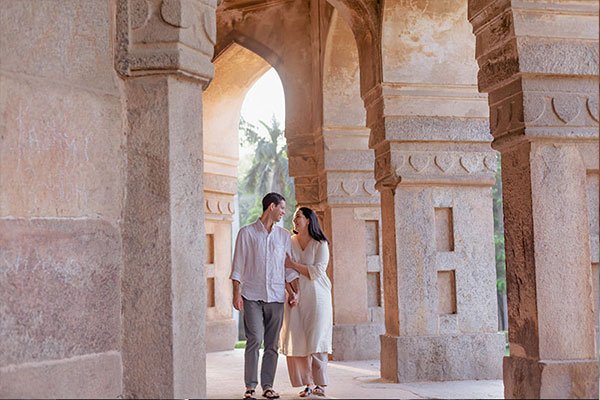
259,278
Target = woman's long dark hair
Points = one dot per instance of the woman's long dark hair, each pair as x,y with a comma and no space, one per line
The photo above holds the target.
314,229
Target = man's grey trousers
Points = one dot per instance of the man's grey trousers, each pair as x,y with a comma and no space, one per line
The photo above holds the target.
261,319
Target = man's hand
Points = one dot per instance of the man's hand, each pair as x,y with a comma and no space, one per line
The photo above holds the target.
238,302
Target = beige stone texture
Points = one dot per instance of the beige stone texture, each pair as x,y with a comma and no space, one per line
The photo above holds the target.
542,86
442,358
162,310
88,376
550,379
434,168
61,129
357,341
415,53
60,289
221,334
62,178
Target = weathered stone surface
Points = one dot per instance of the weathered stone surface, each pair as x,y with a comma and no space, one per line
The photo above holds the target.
68,42
357,341
173,36
59,289
90,376
61,151
550,379
221,334
413,52
342,105
540,82
162,309
442,358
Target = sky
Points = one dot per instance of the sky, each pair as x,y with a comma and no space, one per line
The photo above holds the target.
264,99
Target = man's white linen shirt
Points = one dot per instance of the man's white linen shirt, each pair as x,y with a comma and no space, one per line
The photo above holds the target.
259,262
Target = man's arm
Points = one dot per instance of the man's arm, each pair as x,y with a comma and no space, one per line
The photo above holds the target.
238,302
237,265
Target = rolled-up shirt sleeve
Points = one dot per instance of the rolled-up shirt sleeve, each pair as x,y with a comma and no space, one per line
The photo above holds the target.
319,268
239,257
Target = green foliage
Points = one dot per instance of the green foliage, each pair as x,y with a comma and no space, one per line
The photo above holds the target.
499,232
268,171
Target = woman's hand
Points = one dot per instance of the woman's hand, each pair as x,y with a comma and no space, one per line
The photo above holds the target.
293,299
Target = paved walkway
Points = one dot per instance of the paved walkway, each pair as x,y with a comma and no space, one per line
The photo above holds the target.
348,380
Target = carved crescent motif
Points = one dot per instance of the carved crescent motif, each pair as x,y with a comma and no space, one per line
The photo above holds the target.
369,186
350,186
470,162
212,205
566,107
490,162
592,106
172,13
444,161
139,12
419,161
534,108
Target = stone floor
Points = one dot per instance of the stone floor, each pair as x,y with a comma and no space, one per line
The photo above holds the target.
348,380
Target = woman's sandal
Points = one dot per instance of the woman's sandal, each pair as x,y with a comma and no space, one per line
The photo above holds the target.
318,391
270,394
306,392
249,394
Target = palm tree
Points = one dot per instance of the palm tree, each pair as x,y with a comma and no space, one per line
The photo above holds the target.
268,171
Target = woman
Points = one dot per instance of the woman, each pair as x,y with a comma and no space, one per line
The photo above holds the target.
307,325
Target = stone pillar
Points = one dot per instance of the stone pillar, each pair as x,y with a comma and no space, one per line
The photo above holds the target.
435,175
353,223
350,202
539,64
434,168
163,53
219,192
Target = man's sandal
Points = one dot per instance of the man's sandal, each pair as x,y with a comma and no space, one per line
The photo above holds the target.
318,391
306,392
249,394
270,394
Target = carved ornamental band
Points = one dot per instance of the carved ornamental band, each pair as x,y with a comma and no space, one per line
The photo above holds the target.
166,36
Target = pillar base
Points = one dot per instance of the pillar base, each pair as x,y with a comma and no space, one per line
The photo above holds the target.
221,335
526,378
442,358
356,341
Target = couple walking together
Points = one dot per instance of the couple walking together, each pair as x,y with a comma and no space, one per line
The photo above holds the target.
267,264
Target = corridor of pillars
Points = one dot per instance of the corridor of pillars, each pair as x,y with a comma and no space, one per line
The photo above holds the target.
394,113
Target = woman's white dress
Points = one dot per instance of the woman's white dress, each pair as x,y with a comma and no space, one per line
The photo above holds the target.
307,327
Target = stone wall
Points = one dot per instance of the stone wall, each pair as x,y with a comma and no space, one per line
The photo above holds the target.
61,197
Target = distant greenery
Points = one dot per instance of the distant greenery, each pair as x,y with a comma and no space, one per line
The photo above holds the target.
499,233
267,172
499,240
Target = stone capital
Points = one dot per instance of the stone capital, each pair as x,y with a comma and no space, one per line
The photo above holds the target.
352,188
166,37
420,167
516,38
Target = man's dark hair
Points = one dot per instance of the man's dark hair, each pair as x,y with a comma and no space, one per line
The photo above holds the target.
272,198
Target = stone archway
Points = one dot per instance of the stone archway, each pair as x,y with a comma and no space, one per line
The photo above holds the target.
236,70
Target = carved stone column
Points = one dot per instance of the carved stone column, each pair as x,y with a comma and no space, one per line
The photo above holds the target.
539,64
163,53
219,191
352,221
435,174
